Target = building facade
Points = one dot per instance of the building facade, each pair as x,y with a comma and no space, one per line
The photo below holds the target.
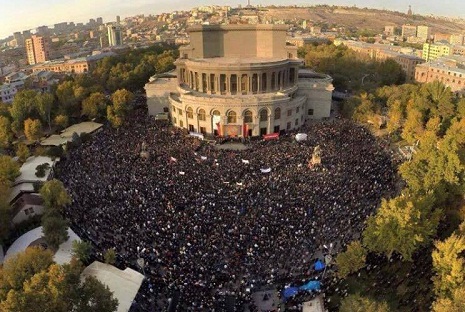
456,39
409,31
243,80
448,70
37,49
115,36
424,32
381,52
433,51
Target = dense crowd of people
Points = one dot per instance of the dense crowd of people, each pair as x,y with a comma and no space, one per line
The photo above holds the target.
213,223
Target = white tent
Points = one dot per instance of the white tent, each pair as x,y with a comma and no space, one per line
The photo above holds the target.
301,137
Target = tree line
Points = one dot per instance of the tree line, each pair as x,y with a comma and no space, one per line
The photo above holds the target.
105,93
430,119
350,70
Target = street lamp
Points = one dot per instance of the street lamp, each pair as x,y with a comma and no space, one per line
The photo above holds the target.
363,78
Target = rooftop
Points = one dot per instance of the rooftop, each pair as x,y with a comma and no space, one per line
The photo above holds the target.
28,169
124,284
67,134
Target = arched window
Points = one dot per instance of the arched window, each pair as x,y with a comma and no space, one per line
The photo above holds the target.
277,113
201,115
232,117
190,112
263,115
248,116
216,113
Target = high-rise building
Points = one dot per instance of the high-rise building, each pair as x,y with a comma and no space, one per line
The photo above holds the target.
115,36
99,21
118,19
19,38
26,34
389,30
424,32
92,22
409,31
441,38
456,39
37,49
434,51
42,31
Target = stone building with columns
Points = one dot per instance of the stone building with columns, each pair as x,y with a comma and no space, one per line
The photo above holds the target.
241,80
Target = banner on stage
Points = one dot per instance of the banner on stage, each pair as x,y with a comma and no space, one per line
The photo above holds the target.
271,136
196,135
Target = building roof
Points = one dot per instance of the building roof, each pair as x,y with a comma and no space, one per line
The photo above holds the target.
124,284
21,188
26,199
28,169
238,60
62,256
67,134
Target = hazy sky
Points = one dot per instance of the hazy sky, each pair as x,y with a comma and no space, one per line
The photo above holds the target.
18,15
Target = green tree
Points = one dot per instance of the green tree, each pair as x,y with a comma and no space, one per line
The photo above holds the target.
55,230
114,120
95,105
22,151
449,265
413,126
4,211
5,132
454,304
121,100
95,297
65,95
44,104
110,256
54,195
61,121
23,106
22,267
402,225
51,287
9,169
366,111
394,117
82,250
358,303
352,260
32,129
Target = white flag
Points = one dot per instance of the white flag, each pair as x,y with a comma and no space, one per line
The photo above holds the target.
245,161
173,159
182,173
239,183
203,157
267,170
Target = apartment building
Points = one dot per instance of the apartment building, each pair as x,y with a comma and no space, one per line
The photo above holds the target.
432,51
449,70
37,49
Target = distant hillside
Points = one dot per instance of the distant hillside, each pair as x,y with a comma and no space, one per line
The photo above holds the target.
352,17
